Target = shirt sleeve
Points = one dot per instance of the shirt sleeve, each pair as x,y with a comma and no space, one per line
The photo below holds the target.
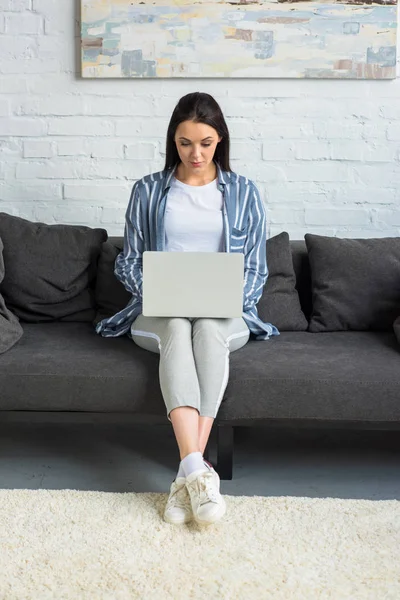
128,264
255,259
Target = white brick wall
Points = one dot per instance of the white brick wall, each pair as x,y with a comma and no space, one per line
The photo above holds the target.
324,154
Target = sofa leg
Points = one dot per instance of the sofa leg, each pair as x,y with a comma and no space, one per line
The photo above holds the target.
224,451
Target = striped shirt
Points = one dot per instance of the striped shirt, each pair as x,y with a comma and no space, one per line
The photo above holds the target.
244,231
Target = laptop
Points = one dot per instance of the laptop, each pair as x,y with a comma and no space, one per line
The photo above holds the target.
192,284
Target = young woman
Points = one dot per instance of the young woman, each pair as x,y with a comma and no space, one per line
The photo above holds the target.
195,204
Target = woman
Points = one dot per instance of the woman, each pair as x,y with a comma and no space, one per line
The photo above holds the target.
209,209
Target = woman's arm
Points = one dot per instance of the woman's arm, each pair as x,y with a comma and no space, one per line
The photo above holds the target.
128,264
255,259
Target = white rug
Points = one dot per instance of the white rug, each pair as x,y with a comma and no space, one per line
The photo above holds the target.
79,545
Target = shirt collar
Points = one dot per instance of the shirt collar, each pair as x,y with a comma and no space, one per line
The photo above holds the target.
223,177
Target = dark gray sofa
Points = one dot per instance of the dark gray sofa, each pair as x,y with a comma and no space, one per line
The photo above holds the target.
346,379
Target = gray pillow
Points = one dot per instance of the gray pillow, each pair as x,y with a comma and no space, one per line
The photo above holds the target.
396,328
50,270
10,328
280,303
355,283
110,295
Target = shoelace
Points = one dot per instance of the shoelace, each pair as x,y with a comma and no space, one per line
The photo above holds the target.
179,498
206,491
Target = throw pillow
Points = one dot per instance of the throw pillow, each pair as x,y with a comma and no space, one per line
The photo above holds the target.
10,329
110,295
50,270
355,283
280,303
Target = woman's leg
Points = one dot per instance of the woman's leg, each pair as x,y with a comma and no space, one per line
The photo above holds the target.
202,350
213,341
205,426
172,339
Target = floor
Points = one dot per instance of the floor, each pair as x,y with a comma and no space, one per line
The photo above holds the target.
125,457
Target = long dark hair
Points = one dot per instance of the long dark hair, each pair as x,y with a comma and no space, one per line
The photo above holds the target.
199,108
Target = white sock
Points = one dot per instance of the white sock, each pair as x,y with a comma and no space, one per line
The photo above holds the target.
192,462
181,472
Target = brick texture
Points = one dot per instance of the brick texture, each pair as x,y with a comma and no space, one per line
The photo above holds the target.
324,154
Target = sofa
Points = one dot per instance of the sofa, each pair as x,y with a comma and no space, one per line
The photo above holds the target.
324,369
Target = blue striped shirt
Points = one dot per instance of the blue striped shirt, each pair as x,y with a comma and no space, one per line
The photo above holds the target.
244,231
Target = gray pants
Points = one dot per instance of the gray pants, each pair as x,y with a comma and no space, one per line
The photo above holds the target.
194,357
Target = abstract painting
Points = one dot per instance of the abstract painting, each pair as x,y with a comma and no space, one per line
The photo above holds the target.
340,39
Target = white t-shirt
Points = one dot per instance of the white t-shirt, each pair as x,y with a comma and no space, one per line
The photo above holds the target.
194,218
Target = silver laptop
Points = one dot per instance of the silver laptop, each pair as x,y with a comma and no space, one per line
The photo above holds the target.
192,284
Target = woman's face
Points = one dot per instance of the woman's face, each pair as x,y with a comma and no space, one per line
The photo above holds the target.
196,144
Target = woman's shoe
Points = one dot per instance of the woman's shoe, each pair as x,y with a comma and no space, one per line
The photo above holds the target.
178,509
208,505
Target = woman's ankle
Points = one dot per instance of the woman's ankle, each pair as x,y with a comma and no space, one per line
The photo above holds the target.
184,453
192,462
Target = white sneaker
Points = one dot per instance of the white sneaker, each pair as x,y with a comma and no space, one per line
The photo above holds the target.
208,505
178,509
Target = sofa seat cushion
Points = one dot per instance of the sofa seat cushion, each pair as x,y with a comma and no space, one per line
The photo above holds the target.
68,367
353,375
337,375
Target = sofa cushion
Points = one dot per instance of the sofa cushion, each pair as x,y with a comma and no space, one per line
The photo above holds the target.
110,295
335,376
10,329
355,283
352,376
396,328
301,265
69,367
50,269
279,303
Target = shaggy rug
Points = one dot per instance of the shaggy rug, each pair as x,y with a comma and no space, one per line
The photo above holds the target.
97,545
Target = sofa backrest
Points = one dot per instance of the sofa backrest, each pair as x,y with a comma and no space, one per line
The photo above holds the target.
300,263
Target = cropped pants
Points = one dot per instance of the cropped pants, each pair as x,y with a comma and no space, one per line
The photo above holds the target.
194,357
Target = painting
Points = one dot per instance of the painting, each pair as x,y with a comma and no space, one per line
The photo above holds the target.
342,39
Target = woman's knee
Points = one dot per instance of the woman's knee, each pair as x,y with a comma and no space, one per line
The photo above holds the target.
207,330
176,327
207,325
